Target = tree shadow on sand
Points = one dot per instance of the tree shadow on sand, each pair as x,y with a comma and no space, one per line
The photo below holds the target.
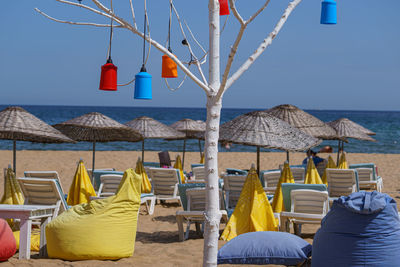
168,218
164,237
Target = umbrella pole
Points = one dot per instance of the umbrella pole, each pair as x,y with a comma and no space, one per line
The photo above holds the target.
200,147
15,156
142,150
287,156
258,160
93,159
337,158
183,156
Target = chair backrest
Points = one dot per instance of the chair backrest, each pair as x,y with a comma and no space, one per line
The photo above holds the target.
287,188
372,166
182,188
321,167
199,173
90,171
341,182
165,159
365,174
235,171
98,173
196,198
299,174
271,178
309,201
233,185
109,184
44,175
195,165
164,180
41,191
151,164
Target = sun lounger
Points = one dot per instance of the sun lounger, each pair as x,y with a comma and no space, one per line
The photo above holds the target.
46,175
199,173
367,176
341,182
270,179
298,171
165,183
321,167
97,173
233,185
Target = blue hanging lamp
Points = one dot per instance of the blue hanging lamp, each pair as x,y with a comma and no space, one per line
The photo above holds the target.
328,12
143,79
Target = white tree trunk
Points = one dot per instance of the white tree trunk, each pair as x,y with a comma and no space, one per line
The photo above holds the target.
214,105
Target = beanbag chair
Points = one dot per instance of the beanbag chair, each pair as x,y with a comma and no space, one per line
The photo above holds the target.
99,230
265,248
7,241
35,240
362,229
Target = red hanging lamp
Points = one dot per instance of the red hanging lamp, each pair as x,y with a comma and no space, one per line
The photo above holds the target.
108,76
223,7
169,68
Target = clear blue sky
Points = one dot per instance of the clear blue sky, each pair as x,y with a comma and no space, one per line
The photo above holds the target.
352,65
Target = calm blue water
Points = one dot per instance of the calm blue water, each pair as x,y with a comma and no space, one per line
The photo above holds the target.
386,124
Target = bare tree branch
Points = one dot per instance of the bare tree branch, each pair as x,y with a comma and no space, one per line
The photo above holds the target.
133,14
236,12
258,12
266,42
75,23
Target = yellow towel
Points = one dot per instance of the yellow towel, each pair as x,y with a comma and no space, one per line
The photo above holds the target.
178,165
81,188
252,212
312,175
146,185
286,177
331,165
343,162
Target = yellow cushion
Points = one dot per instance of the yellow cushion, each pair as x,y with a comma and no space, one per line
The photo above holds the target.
103,229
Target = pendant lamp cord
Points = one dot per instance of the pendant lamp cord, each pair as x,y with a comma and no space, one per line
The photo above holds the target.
109,60
143,69
169,26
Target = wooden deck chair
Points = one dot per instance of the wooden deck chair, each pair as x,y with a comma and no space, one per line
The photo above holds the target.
165,183
307,206
233,185
41,191
271,179
341,182
46,175
199,174
196,204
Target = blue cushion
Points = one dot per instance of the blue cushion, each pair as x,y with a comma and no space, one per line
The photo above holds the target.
288,187
235,171
265,248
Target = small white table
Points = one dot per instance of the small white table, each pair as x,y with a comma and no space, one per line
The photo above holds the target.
26,213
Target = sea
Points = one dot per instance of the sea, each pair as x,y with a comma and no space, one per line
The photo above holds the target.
386,125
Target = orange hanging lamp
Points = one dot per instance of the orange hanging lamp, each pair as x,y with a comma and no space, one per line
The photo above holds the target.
169,68
108,76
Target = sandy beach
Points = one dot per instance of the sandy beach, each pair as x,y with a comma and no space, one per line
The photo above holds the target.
157,237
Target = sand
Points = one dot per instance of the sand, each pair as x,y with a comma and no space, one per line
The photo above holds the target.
157,237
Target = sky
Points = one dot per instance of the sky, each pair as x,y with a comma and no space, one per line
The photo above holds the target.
354,65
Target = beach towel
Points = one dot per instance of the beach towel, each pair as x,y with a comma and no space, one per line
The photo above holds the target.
330,165
81,187
286,177
312,176
104,229
253,212
146,185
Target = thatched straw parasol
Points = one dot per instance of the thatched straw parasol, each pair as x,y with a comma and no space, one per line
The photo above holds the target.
261,129
190,128
152,129
96,127
17,124
346,128
303,121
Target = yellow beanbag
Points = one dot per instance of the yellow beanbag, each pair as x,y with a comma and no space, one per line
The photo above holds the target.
103,229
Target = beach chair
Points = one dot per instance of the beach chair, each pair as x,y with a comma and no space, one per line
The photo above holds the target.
45,175
109,186
41,191
165,183
90,171
233,185
270,179
321,167
367,176
196,203
165,159
307,206
199,173
298,171
98,173
341,182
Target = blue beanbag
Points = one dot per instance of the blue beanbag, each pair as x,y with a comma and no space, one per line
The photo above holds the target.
265,248
362,229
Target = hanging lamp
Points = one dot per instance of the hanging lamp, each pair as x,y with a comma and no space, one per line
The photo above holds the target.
328,12
223,7
108,76
143,79
169,68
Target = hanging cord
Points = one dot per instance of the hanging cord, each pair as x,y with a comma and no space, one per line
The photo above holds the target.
143,69
109,60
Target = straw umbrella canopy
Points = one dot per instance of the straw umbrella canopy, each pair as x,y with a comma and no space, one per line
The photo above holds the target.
346,128
260,129
17,124
96,127
190,128
152,129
